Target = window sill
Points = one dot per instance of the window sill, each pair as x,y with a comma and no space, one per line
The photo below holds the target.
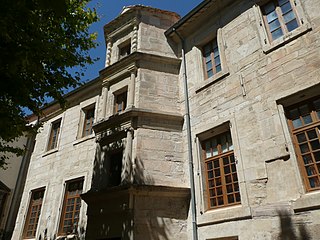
224,215
309,201
211,80
50,152
83,139
286,38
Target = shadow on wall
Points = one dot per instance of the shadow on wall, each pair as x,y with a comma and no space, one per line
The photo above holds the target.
289,230
116,211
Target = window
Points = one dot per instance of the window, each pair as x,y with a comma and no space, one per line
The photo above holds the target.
54,135
304,124
88,122
120,102
279,17
4,193
221,172
71,207
115,167
211,58
124,50
33,215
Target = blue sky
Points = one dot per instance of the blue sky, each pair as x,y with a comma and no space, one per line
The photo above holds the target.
110,9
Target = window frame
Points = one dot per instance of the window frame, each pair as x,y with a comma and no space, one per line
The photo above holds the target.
33,203
92,120
280,18
207,81
66,196
269,46
123,97
212,44
305,128
126,46
54,134
220,157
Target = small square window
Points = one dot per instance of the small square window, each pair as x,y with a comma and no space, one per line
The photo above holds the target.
120,102
54,135
88,121
221,176
33,214
279,18
71,207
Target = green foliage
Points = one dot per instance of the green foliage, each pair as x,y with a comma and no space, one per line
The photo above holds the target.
40,41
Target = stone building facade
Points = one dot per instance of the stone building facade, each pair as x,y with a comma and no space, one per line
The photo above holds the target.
117,163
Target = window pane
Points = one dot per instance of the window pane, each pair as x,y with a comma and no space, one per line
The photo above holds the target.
218,68
312,134
208,149
301,137
304,148
274,25
281,2
276,34
214,147
307,119
215,52
315,145
272,16
210,73
307,159
269,7
286,8
297,123
209,65
292,25
289,16
317,156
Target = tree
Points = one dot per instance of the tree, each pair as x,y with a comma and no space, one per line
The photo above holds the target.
40,41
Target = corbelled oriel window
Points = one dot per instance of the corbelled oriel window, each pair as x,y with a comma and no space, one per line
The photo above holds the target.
211,58
221,172
304,123
279,17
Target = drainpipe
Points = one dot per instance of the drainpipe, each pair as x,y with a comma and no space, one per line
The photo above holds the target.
190,156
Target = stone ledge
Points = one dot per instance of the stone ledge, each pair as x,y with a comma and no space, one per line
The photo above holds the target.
309,201
226,214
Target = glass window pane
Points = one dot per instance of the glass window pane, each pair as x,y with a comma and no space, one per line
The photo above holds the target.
307,119
304,148
274,25
316,156
208,149
276,34
281,2
209,65
297,123
289,16
292,25
312,134
214,147
301,137
272,16
215,52
286,7
307,159
304,109
218,68
210,73
315,145
209,165
269,7
217,60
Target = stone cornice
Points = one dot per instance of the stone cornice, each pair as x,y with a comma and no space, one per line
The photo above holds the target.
123,67
130,114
